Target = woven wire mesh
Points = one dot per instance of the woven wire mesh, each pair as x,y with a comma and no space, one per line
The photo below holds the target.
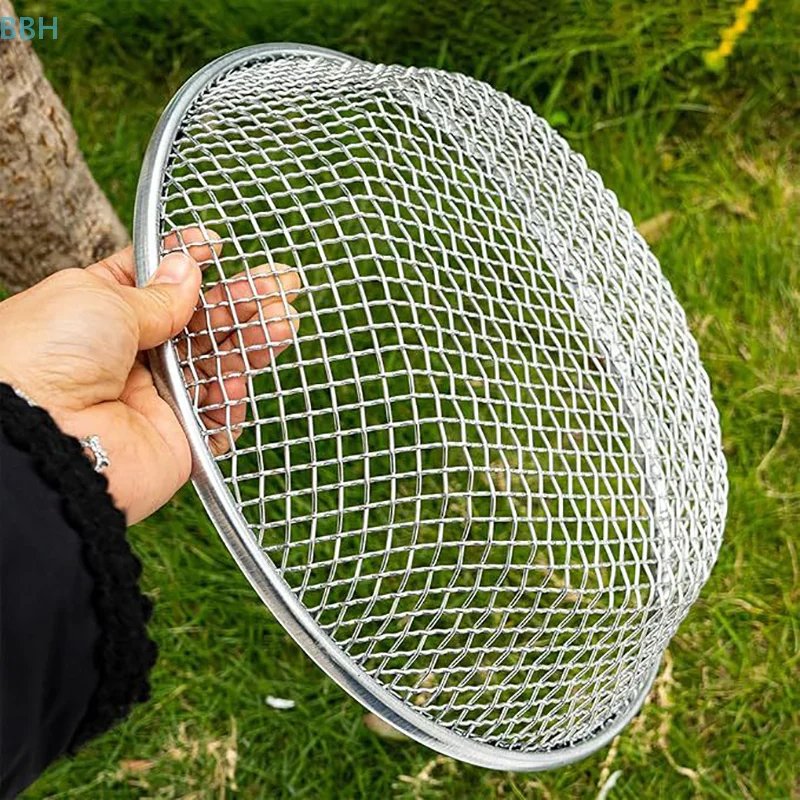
487,463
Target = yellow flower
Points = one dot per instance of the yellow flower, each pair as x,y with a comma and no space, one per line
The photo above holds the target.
716,58
739,27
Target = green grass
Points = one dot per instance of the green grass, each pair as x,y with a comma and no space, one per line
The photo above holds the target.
627,85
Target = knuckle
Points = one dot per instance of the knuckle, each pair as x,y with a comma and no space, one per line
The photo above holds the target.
69,277
163,307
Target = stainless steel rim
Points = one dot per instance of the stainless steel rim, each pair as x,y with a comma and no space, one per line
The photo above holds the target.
229,521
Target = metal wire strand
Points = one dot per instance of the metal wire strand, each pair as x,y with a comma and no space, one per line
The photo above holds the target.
487,463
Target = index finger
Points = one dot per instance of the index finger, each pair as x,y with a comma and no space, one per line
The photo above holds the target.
200,244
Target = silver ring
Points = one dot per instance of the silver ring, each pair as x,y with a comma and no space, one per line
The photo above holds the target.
101,460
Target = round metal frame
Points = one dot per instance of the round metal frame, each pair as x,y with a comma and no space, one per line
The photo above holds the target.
230,522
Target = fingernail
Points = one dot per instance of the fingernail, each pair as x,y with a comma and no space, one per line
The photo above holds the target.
174,268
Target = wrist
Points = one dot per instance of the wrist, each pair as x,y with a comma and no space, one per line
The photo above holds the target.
27,388
92,446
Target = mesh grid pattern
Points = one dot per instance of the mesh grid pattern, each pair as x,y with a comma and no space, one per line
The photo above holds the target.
487,463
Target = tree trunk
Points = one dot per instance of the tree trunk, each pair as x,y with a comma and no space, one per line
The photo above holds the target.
52,213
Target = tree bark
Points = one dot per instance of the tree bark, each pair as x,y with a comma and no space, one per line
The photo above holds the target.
52,213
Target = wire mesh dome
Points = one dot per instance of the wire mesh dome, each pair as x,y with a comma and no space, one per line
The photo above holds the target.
483,483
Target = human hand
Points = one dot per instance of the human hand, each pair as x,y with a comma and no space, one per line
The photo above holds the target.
73,344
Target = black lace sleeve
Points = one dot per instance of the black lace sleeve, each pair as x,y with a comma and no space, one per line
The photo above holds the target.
74,650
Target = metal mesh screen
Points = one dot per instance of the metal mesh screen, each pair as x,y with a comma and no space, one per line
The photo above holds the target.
487,463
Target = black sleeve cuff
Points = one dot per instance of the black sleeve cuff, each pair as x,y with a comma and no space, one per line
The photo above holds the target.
119,652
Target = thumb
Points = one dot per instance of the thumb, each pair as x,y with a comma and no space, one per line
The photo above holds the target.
164,306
